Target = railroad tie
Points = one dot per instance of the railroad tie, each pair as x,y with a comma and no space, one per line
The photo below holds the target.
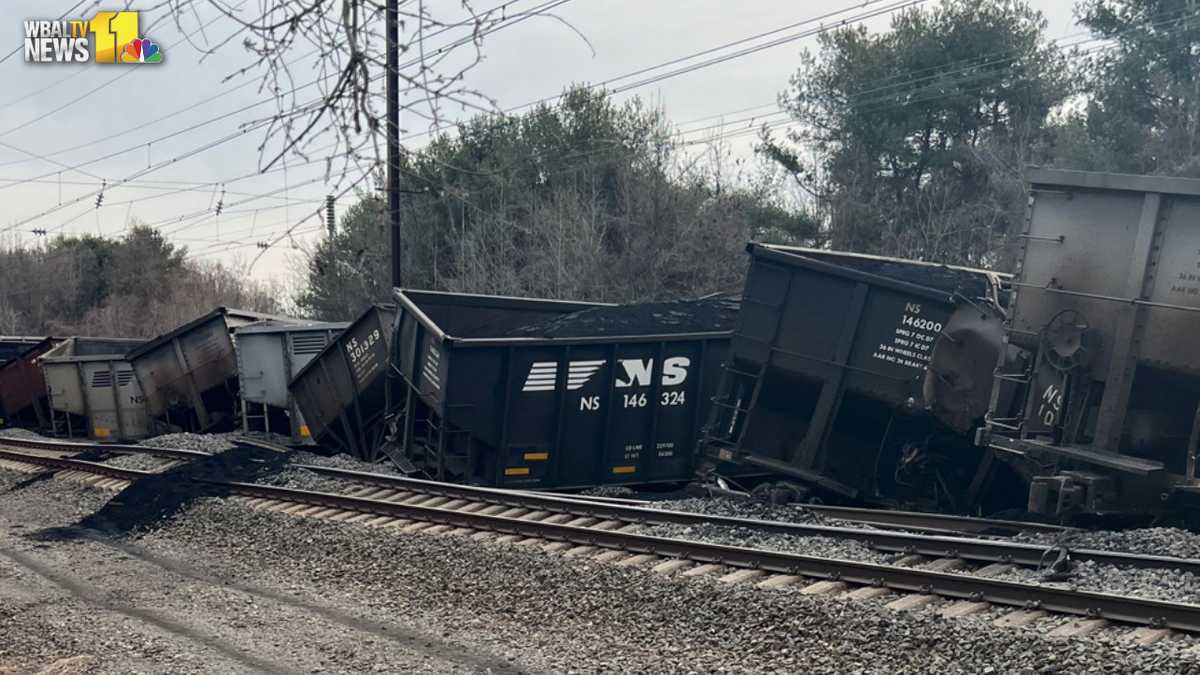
945,565
701,570
579,551
639,560
1078,627
866,593
438,529
779,581
1020,618
671,566
742,577
993,570
911,602
825,587
610,556
557,546
962,608
534,516
1145,636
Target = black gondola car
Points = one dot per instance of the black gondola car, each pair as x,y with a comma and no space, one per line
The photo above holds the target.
500,392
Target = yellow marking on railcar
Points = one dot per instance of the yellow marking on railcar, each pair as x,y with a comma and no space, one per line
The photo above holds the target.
536,456
517,471
624,469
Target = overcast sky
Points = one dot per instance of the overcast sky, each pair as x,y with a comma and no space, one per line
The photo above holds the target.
49,109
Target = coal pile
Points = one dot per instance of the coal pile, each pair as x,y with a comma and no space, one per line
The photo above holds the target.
707,315
948,279
152,499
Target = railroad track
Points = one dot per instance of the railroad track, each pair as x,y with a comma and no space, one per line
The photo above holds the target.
580,529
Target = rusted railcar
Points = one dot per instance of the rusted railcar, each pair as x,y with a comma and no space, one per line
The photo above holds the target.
23,400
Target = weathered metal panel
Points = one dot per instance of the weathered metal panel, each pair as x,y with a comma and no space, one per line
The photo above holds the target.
194,367
269,355
1082,238
23,387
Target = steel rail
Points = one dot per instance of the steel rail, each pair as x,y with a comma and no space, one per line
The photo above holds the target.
919,520
115,448
876,517
977,550
70,464
1142,611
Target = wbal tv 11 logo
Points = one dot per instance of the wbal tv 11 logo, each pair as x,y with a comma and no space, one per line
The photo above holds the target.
108,37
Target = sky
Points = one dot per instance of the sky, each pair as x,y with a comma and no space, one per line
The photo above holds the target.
70,131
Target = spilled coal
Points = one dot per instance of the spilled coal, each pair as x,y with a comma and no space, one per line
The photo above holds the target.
713,314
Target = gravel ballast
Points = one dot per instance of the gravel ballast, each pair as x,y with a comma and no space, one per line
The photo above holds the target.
562,614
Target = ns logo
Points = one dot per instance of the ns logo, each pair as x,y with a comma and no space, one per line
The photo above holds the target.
543,375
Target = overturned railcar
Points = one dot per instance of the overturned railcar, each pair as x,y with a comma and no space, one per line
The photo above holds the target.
538,393
342,392
189,375
92,390
832,380
1105,318
269,355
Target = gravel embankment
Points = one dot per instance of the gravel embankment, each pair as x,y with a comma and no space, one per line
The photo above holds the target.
245,577
187,441
559,614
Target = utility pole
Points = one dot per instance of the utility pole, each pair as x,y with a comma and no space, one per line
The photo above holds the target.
393,134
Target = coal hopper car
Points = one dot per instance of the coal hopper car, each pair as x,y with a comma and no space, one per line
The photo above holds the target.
548,394
342,391
831,381
1106,314
189,376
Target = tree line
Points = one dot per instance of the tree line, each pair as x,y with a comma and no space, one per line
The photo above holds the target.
908,142
136,285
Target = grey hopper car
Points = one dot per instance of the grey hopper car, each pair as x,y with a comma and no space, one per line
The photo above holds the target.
93,391
269,355
342,392
827,382
537,393
189,375
1106,314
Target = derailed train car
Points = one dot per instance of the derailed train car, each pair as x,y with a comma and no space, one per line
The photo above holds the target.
833,381
538,393
1105,318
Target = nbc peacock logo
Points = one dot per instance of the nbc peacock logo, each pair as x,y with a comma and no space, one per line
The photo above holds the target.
108,37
